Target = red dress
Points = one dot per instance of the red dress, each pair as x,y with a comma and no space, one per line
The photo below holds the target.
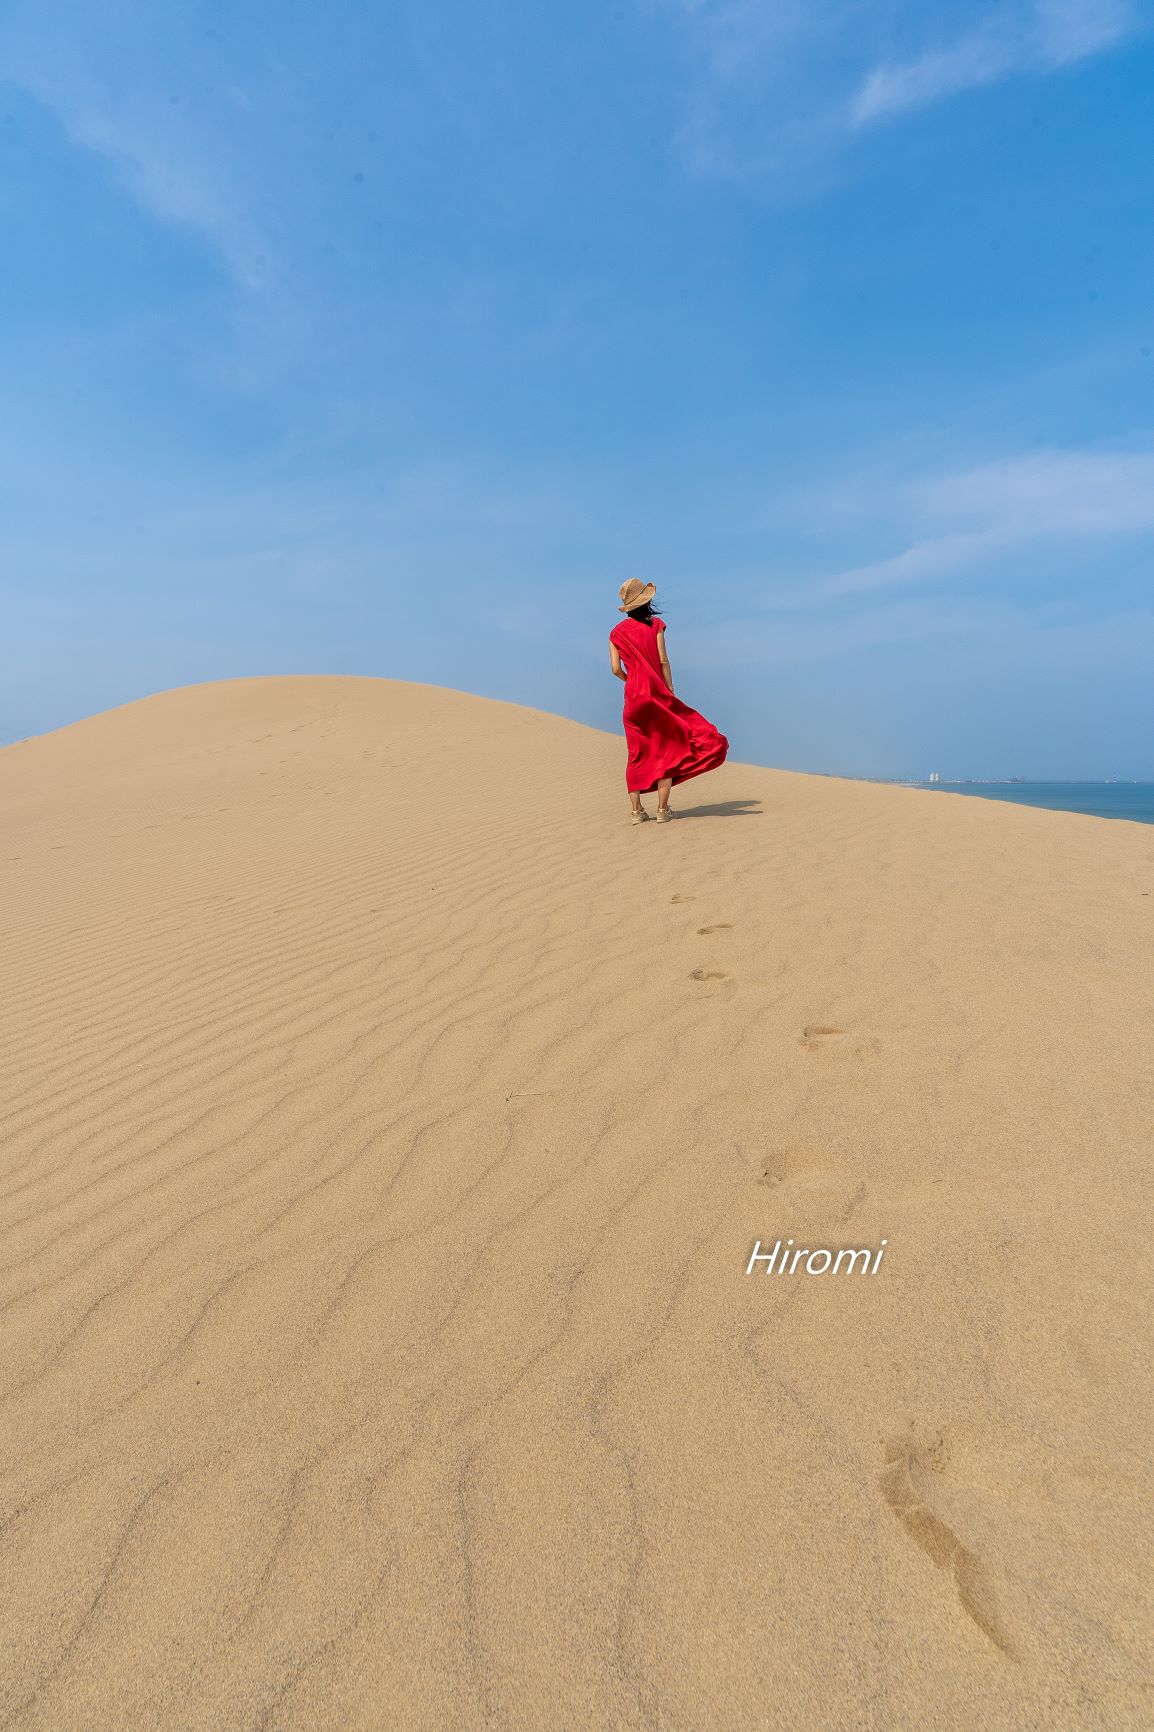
665,737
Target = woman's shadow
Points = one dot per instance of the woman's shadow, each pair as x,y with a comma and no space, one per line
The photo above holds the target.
723,809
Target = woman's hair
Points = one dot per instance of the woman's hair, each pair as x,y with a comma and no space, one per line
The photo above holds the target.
644,613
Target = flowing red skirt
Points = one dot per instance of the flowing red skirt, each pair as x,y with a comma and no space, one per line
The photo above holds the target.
664,736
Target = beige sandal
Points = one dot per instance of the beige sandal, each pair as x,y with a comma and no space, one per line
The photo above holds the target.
641,816
663,814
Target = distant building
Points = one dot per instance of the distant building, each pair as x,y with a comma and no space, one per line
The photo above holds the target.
934,777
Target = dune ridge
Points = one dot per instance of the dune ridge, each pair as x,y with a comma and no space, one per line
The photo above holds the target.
386,1126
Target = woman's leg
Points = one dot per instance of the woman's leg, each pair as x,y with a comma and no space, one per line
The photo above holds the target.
663,788
635,800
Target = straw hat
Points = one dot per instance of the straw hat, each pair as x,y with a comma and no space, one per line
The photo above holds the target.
634,593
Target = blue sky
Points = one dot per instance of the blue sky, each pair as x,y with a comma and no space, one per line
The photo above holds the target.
390,339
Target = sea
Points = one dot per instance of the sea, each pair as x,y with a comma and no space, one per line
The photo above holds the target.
1133,800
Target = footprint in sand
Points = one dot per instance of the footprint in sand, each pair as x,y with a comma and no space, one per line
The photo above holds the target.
683,899
708,974
818,1036
722,926
822,1197
794,1159
907,1484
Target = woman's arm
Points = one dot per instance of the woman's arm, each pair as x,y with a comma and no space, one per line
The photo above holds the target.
665,668
615,662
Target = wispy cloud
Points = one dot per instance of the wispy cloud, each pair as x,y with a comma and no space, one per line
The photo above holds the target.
969,516
970,623
1038,39
779,91
168,173
137,95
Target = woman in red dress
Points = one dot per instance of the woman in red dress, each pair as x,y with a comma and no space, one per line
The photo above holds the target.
668,742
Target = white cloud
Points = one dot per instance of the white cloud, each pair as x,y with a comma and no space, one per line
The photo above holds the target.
967,516
166,172
174,166
1037,39
777,89
982,57
159,99
1070,29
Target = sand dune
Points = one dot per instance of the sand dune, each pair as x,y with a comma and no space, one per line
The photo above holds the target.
386,1128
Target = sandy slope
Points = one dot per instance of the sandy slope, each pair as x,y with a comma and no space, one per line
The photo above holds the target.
386,1127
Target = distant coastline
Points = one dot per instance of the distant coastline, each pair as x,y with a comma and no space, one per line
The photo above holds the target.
1131,800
